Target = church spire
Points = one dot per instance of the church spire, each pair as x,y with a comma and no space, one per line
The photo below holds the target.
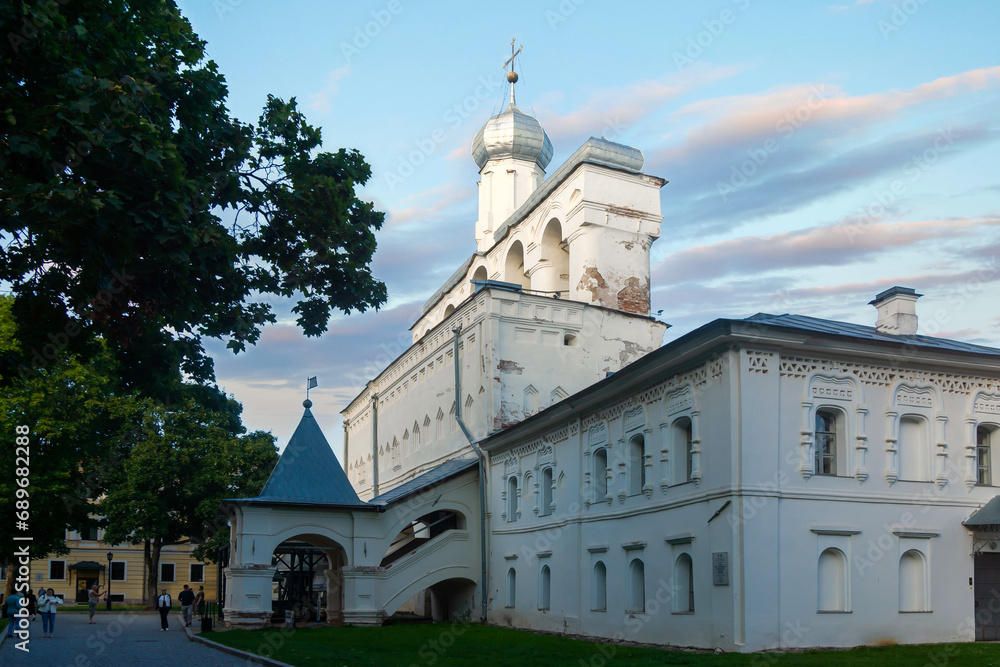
512,75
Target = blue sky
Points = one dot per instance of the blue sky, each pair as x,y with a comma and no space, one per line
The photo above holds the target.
817,152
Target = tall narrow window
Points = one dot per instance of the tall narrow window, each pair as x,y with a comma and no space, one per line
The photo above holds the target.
637,465
914,458
826,443
600,475
439,425
683,584
832,581
599,588
984,471
913,582
512,498
636,586
544,587
511,588
681,453
546,492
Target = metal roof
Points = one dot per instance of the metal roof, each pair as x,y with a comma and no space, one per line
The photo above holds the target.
817,325
513,134
308,472
428,479
986,517
87,565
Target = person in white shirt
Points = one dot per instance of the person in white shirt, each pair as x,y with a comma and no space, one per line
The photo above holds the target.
163,606
48,601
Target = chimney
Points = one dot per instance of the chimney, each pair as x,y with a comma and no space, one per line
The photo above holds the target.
897,312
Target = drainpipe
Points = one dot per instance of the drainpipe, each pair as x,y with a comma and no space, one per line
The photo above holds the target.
374,440
484,581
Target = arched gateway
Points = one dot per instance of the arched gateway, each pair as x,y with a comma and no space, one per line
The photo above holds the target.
308,543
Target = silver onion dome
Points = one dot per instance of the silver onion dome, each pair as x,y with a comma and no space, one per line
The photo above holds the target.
512,134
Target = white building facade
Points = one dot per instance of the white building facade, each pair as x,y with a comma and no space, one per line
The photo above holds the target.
538,458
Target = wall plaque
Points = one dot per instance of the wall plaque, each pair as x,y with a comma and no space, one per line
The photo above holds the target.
720,568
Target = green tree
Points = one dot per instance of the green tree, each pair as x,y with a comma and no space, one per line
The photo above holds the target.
118,159
76,421
187,458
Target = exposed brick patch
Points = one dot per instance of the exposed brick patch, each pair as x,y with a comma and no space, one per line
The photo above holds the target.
506,366
594,282
634,297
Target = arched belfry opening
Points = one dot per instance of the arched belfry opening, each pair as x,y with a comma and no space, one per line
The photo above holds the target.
514,266
552,272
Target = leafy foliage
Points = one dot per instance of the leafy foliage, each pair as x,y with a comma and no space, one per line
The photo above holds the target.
118,157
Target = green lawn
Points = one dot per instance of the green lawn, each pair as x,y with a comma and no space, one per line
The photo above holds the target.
479,646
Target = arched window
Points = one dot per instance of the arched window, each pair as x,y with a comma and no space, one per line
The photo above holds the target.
683,584
406,442
600,475
395,452
530,400
984,459
828,436
512,498
416,436
439,425
452,420
556,253
636,593
546,492
914,457
832,581
514,266
449,309
636,465
511,589
599,588
544,587
681,450
913,582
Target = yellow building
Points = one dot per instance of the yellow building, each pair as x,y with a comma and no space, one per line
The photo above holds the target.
86,563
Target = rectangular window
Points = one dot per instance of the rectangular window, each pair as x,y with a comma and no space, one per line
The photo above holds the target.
90,533
197,573
57,570
984,475
167,573
117,570
826,443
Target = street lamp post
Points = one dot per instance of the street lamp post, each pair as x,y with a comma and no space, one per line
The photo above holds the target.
108,592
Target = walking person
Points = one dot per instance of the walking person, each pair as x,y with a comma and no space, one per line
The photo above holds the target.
186,598
163,605
93,597
199,602
32,603
12,604
47,603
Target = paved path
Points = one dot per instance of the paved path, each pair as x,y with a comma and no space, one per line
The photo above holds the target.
118,638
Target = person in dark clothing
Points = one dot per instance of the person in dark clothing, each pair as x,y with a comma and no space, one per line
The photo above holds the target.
163,605
186,598
199,602
32,604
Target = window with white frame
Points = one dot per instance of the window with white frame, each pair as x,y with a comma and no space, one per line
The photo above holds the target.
512,498
167,573
636,464
196,573
913,589
600,474
830,442
546,492
683,584
832,582
912,445
636,588
119,570
984,455
599,587
544,587
511,593
682,450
